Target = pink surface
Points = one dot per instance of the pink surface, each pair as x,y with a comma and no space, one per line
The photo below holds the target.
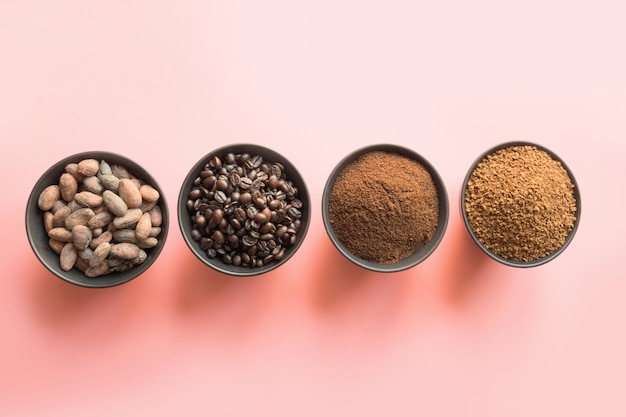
166,82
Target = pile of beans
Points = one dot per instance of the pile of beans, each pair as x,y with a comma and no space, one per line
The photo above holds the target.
244,210
100,218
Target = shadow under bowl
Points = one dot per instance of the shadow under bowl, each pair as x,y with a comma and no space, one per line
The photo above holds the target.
477,241
421,253
38,238
185,221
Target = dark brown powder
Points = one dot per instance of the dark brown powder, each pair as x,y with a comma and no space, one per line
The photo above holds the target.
520,203
383,207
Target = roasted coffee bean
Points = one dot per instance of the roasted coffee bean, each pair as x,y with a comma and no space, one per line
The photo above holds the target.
220,197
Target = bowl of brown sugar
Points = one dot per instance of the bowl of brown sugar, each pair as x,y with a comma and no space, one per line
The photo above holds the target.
520,204
385,208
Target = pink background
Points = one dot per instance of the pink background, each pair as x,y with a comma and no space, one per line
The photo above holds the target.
165,82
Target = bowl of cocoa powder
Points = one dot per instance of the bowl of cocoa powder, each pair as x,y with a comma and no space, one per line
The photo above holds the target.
520,204
385,208
96,219
244,209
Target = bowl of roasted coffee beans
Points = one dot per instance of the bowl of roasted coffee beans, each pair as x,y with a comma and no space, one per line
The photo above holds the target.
96,219
520,204
385,208
244,209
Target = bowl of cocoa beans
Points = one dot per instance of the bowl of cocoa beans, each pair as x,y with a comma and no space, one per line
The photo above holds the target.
96,219
244,209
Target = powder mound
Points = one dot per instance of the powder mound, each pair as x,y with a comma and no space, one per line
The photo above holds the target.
383,207
520,203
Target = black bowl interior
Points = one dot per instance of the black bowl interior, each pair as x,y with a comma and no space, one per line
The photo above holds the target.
509,262
184,218
38,237
419,255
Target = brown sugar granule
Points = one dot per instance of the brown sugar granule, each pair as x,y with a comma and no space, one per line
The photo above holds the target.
383,207
520,203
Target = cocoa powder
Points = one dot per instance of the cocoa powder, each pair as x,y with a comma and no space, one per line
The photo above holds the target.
383,207
520,203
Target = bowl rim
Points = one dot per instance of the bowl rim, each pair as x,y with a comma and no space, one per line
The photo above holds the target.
427,249
184,221
42,250
576,191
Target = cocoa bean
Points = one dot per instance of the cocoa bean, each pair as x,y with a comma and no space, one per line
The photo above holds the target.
88,199
125,250
144,227
129,192
156,216
105,168
110,182
48,197
61,215
148,243
104,237
68,257
100,254
100,220
61,234
80,216
120,171
68,186
48,221
114,203
149,193
125,235
88,167
131,217
97,270
56,245
81,236
93,184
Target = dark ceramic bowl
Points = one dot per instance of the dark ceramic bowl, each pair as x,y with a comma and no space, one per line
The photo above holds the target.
509,262
420,254
38,237
184,214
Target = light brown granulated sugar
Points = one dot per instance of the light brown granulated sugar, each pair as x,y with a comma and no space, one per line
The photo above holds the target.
520,203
